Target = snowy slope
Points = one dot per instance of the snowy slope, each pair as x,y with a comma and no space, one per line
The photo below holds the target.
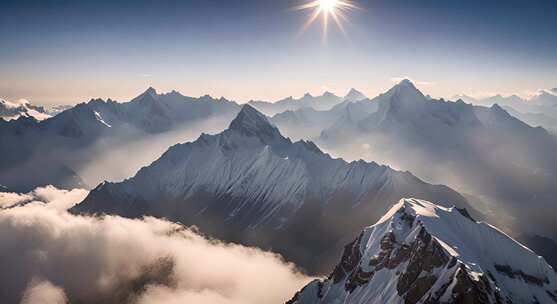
354,95
252,185
419,252
14,110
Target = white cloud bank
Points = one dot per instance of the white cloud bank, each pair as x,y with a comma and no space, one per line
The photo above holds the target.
43,292
52,255
50,196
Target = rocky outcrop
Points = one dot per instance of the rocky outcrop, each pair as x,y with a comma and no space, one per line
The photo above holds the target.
423,253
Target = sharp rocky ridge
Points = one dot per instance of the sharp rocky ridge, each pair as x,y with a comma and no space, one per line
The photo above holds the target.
419,252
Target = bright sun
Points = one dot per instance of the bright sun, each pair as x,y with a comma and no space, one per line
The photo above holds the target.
327,5
335,9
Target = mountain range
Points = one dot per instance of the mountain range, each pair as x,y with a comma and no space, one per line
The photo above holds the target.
319,103
477,150
249,184
504,166
54,150
540,110
419,252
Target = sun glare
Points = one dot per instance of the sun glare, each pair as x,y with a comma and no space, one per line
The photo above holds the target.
327,5
327,9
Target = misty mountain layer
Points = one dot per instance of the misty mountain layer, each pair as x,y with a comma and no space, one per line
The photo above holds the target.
78,143
320,103
502,161
249,184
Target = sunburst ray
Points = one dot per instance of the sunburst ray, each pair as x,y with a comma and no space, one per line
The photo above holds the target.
327,9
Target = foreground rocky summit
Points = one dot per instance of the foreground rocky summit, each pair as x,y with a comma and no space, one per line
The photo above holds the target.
423,253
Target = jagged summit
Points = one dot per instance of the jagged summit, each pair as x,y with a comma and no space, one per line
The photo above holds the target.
251,122
403,99
405,89
497,108
354,95
320,103
419,252
151,91
150,95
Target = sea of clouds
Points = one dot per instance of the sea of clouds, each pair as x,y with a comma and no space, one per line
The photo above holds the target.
51,256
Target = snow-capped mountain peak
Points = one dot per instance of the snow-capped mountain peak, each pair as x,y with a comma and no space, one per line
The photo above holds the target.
419,252
148,97
21,108
405,89
354,95
251,122
403,101
151,91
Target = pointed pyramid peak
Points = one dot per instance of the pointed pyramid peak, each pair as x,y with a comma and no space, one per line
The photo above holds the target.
251,122
498,110
406,84
406,92
249,111
308,95
151,91
496,107
149,95
354,95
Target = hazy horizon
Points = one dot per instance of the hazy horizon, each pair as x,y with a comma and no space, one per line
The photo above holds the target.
69,52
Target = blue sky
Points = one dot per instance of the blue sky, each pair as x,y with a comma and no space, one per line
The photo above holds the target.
70,51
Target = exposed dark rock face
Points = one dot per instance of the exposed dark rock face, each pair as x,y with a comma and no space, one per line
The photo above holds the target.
350,259
425,254
512,273
416,256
